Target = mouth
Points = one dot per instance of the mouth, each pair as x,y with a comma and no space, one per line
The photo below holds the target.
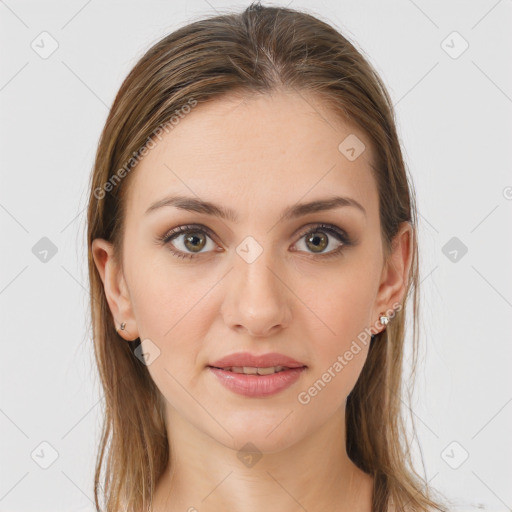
256,375
257,382
252,364
251,370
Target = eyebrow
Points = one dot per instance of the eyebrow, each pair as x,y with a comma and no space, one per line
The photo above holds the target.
193,204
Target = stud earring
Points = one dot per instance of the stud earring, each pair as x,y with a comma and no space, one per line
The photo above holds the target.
384,319
122,326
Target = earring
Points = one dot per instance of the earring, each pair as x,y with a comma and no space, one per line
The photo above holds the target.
122,326
384,319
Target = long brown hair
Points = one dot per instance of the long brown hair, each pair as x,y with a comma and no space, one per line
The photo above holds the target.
258,50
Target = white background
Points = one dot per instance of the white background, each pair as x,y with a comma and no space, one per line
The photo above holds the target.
454,118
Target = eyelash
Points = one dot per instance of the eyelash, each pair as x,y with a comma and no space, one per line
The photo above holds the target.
339,234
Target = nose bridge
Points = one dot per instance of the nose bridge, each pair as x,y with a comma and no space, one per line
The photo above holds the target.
259,301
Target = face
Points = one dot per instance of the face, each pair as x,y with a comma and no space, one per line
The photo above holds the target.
268,278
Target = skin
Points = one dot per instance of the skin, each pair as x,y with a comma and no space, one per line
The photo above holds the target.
256,155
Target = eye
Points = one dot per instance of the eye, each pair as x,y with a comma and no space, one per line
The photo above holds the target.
188,238
190,241
320,237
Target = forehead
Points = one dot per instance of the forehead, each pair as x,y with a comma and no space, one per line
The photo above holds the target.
258,151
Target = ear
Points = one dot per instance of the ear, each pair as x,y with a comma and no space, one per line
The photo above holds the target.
116,290
395,272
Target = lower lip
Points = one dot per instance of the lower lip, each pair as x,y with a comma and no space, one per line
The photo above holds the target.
257,386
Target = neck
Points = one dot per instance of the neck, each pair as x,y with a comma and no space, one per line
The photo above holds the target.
314,474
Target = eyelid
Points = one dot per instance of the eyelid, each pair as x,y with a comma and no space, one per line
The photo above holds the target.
184,228
326,226
299,233
332,229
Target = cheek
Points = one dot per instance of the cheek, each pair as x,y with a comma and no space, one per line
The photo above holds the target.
342,304
342,309
173,312
168,300
339,353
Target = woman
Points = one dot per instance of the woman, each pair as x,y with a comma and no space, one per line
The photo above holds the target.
252,243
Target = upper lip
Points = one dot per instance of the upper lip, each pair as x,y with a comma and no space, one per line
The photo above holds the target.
256,361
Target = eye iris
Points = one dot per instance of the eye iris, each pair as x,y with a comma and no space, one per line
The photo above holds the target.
194,237
319,241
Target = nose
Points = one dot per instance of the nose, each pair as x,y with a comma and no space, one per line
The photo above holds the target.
258,300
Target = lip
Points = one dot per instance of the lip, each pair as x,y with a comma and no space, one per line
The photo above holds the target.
256,360
257,386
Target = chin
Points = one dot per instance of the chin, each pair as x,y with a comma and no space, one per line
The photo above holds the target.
267,433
